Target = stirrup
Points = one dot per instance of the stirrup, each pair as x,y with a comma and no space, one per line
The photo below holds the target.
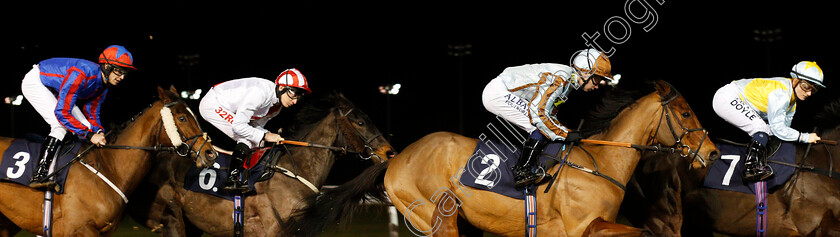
532,178
758,175
43,184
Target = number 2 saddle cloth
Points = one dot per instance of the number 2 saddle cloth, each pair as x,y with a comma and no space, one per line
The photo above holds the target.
726,173
211,180
489,167
21,159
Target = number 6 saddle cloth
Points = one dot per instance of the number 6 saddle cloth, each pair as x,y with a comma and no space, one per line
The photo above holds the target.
726,173
22,156
211,180
489,167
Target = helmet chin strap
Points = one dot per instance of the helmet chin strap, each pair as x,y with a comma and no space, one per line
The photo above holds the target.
280,92
106,72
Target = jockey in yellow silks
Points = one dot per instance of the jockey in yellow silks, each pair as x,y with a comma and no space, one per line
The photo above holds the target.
764,107
527,96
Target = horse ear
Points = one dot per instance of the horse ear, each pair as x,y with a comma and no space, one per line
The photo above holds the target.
663,87
164,95
172,89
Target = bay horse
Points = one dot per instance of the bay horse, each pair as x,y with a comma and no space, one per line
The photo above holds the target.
671,200
579,204
89,206
332,120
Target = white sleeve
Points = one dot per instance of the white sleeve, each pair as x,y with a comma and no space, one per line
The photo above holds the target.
778,119
241,125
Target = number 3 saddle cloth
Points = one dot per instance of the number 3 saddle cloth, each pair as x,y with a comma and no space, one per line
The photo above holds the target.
21,158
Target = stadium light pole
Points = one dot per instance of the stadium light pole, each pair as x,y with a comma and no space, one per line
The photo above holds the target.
389,90
13,101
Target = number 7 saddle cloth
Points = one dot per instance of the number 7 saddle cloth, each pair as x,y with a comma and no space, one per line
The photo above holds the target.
726,173
22,156
489,167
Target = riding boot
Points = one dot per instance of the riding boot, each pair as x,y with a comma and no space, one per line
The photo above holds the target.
523,171
39,177
236,169
755,164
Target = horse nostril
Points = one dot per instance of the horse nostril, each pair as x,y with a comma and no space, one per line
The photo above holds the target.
714,155
390,154
210,154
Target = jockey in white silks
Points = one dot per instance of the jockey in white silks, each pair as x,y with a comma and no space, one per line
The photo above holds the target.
527,96
764,107
240,109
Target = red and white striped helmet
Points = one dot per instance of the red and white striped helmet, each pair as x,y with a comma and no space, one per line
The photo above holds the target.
293,77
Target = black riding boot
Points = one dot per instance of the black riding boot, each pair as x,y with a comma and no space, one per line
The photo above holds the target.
239,156
523,172
39,177
755,165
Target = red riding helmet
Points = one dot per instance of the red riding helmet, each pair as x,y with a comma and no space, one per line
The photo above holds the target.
117,55
293,77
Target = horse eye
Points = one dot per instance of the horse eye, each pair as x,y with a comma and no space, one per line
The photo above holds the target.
182,119
361,123
686,114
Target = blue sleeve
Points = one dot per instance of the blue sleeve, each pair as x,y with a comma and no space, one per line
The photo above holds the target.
67,100
92,111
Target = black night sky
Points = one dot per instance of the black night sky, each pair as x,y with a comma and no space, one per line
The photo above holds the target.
698,46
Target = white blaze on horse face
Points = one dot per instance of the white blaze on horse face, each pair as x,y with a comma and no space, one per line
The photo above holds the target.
169,126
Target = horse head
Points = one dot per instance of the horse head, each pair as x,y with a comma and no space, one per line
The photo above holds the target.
678,127
361,134
182,131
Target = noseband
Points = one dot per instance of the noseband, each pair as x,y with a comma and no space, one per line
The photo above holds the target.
685,150
367,150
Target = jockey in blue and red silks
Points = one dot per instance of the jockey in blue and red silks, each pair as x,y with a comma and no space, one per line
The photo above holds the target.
55,86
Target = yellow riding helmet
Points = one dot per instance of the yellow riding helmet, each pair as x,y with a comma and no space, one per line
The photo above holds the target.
809,71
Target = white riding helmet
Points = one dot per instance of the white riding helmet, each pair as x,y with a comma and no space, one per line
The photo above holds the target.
809,71
588,59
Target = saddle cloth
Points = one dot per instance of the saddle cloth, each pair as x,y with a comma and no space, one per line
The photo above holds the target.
211,180
21,159
726,173
489,168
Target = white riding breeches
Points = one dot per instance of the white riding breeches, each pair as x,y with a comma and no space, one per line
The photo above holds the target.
728,105
44,102
498,100
219,117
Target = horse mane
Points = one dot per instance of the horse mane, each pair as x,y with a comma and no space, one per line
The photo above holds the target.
299,120
829,116
117,129
612,103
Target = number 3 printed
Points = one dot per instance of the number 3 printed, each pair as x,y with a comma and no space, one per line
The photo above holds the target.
22,158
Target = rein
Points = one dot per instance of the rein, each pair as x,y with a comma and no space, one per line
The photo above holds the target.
178,147
679,147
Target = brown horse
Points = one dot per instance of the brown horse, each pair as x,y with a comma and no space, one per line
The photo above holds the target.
671,199
89,206
579,203
332,120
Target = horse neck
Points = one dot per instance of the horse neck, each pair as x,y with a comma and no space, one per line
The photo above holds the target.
634,125
127,167
315,163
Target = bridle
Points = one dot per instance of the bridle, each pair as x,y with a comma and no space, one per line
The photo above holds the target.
685,150
181,144
366,151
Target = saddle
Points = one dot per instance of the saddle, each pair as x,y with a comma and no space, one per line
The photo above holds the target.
20,160
211,180
489,167
725,174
